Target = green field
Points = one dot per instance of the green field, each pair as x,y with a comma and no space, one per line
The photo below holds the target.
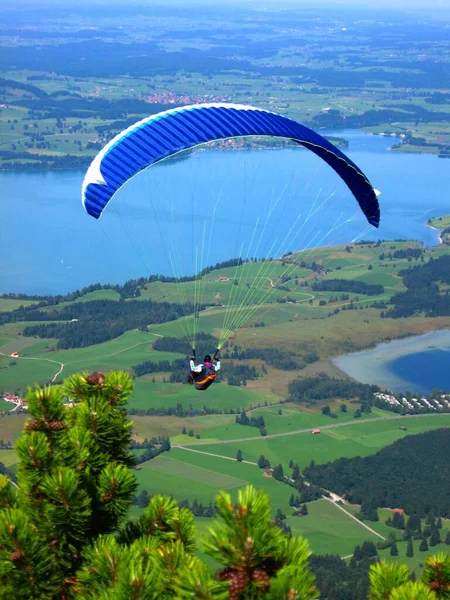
358,439
440,222
300,327
329,530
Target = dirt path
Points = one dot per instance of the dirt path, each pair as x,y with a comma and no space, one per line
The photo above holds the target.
56,362
354,518
309,429
247,462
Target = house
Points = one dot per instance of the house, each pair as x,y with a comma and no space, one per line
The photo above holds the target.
223,278
268,472
315,431
399,511
14,354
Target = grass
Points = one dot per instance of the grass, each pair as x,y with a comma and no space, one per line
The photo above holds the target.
11,427
215,474
219,396
329,530
346,441
440,222
148,427
9,304
191,475
177,469
8,457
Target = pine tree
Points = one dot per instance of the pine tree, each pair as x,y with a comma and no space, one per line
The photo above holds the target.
278,473
74,482
357,554
239,455
435,538
423,545
143,499
304,510
394,549
368,549
292,500
439,523
447,538
64,534
398,521
369,511
410,549
262,462
414,523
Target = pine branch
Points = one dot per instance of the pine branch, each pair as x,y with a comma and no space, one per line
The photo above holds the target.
385,577
26,567
436,575
412,591
8,493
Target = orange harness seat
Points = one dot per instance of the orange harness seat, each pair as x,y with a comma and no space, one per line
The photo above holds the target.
203,384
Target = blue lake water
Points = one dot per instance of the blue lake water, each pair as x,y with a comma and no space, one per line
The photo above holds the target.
417,364
423,371
180,216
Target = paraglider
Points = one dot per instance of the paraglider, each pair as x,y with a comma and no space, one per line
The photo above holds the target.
203,375
168,133
164,134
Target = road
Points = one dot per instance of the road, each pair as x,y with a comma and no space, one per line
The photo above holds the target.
309,429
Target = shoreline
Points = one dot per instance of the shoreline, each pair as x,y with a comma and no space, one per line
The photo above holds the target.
436,229
372,366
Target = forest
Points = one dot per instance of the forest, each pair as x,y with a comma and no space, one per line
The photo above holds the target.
423,294
278,358
309,390
412,474
338,579
98,321
348,285
206,344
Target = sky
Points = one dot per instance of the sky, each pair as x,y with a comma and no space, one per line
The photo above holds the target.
260,4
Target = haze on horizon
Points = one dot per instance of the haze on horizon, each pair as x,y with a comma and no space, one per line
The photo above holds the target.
257,4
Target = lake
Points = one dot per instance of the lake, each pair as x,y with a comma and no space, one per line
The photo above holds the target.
178,217
417,364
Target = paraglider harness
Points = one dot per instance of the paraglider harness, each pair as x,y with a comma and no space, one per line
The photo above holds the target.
205,378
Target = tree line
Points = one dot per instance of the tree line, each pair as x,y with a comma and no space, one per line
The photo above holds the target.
98,321
244,419
423,294
206,344
348,285
402,253
313,389
278,358
412,474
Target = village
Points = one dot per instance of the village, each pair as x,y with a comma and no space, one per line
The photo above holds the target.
414,404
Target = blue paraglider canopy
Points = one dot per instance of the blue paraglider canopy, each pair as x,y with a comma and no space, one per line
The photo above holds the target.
164,134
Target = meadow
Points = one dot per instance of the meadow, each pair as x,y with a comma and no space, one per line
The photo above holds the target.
346,440
202,464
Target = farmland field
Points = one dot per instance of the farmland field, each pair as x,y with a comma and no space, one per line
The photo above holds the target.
202,460
357,439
